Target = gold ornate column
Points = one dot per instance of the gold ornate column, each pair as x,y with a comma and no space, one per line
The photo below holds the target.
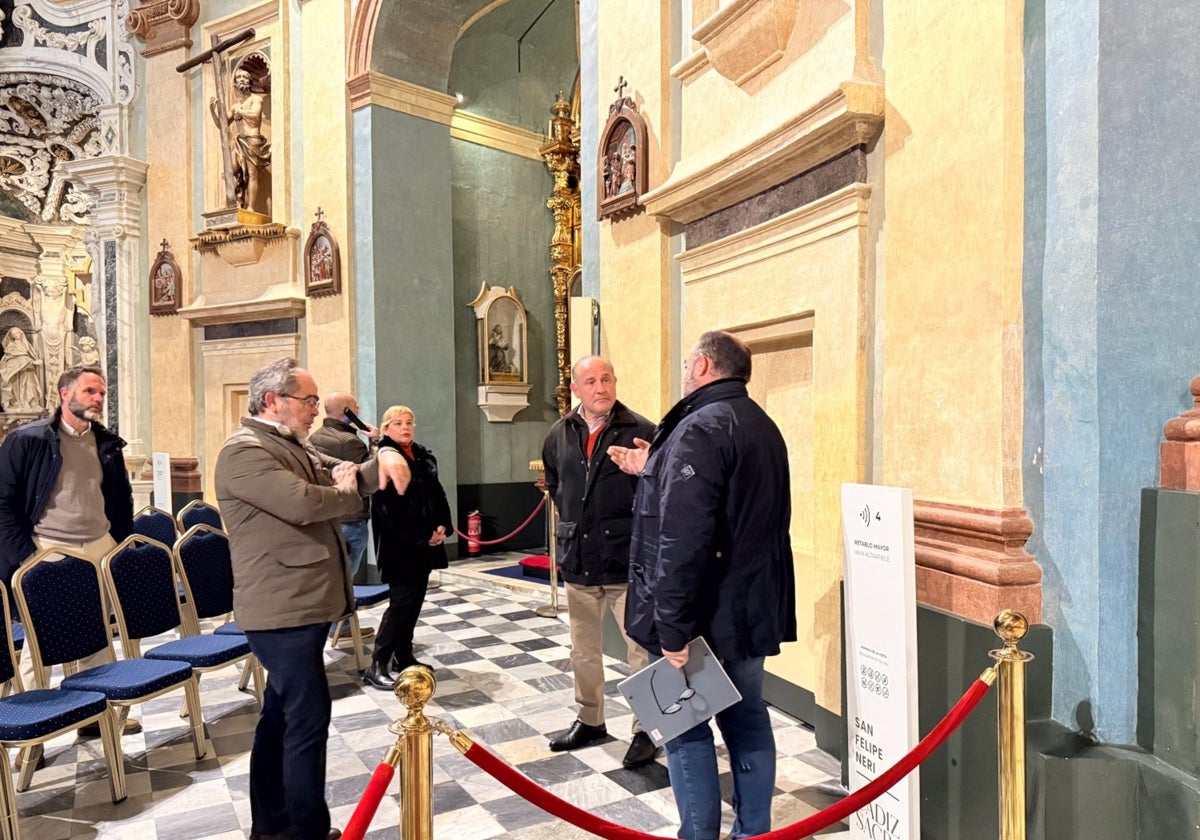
561,153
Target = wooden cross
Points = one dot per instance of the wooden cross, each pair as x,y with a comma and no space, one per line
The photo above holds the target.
213,54
320,213
165,244
619,90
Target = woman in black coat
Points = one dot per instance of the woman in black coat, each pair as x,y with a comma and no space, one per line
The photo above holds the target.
409,534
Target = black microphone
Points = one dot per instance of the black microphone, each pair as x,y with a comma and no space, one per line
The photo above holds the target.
353,420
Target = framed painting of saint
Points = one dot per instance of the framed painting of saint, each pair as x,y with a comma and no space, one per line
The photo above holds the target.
166,283
322,261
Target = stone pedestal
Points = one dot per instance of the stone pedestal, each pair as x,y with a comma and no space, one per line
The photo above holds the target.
1179,455
1168,644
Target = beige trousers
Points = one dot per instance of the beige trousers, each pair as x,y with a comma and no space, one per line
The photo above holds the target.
585,607
94,551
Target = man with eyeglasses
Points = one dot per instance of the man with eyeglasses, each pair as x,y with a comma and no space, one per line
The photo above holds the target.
711,556
281,500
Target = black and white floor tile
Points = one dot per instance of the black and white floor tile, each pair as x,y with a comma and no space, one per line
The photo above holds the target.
503,674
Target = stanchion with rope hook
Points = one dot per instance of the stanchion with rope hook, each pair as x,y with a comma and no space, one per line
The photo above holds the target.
1011,627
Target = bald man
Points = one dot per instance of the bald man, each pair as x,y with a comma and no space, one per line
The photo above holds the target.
338,439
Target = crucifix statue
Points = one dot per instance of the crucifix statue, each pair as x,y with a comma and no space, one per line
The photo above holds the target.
246,156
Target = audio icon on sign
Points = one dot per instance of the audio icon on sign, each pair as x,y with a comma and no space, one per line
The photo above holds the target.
865,515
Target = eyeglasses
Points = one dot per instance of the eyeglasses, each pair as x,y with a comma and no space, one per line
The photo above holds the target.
687,694
309,402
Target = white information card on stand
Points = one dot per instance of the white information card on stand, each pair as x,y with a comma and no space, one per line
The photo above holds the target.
881,654
162,480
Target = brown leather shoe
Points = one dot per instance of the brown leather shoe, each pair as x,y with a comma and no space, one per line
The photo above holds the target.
92,730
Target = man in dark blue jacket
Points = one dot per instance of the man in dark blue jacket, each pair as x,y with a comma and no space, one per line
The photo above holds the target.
594,500
63,484
711,556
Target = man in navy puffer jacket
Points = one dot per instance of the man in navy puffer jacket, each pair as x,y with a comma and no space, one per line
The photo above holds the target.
711,556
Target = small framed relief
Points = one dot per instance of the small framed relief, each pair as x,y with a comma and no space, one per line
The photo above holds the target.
166,283
621,160
322,261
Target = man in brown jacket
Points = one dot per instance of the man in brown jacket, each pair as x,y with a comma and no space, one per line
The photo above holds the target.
281,500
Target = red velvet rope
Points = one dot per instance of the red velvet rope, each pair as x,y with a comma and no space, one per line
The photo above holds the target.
513,779
520,528
360,821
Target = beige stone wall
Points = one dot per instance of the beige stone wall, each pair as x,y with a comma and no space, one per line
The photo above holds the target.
951,372
634,257
326,167
773,93
774,285
169,204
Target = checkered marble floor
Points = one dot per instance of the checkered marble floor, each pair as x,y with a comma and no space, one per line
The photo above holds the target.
503,674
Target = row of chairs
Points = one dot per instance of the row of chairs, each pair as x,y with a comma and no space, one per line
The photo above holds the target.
154,590
157,524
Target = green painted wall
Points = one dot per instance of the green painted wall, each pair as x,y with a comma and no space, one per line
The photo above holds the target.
502,233
405,306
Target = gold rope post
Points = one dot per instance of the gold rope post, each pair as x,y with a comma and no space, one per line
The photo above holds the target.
414,689
552,609
1011,627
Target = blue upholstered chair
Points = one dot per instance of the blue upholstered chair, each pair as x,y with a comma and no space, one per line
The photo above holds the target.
200,513
206,570
65,620
364,597
141,577
30,718
156,524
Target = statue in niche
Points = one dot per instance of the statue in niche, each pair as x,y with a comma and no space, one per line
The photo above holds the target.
498,348
54,323
245,131
89,353
20,374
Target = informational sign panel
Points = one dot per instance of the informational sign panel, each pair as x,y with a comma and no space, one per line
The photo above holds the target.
881,651
162,481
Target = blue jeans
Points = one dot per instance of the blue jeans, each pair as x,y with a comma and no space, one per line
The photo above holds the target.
356,544
287,761
692,763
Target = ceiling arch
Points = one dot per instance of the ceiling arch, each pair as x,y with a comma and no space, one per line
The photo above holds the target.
414,40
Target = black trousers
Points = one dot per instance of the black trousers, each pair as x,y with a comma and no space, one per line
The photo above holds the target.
395,636
287,761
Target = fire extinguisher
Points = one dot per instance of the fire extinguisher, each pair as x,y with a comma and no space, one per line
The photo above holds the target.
474,529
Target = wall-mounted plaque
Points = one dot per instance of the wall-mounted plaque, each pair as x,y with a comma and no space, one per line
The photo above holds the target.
322,261
621,158
166,283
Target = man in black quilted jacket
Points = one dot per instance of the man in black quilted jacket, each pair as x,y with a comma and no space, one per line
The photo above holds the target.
594,501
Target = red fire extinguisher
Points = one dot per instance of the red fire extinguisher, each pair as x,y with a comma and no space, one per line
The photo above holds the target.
474,529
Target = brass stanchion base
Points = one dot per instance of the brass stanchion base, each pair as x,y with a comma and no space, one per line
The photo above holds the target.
550,610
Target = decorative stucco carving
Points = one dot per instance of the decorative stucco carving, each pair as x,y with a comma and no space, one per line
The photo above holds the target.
45,121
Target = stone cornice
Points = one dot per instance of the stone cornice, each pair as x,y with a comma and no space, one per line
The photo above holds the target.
827,216
848,117
164,25
397,95
496,135
406,98
972,561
